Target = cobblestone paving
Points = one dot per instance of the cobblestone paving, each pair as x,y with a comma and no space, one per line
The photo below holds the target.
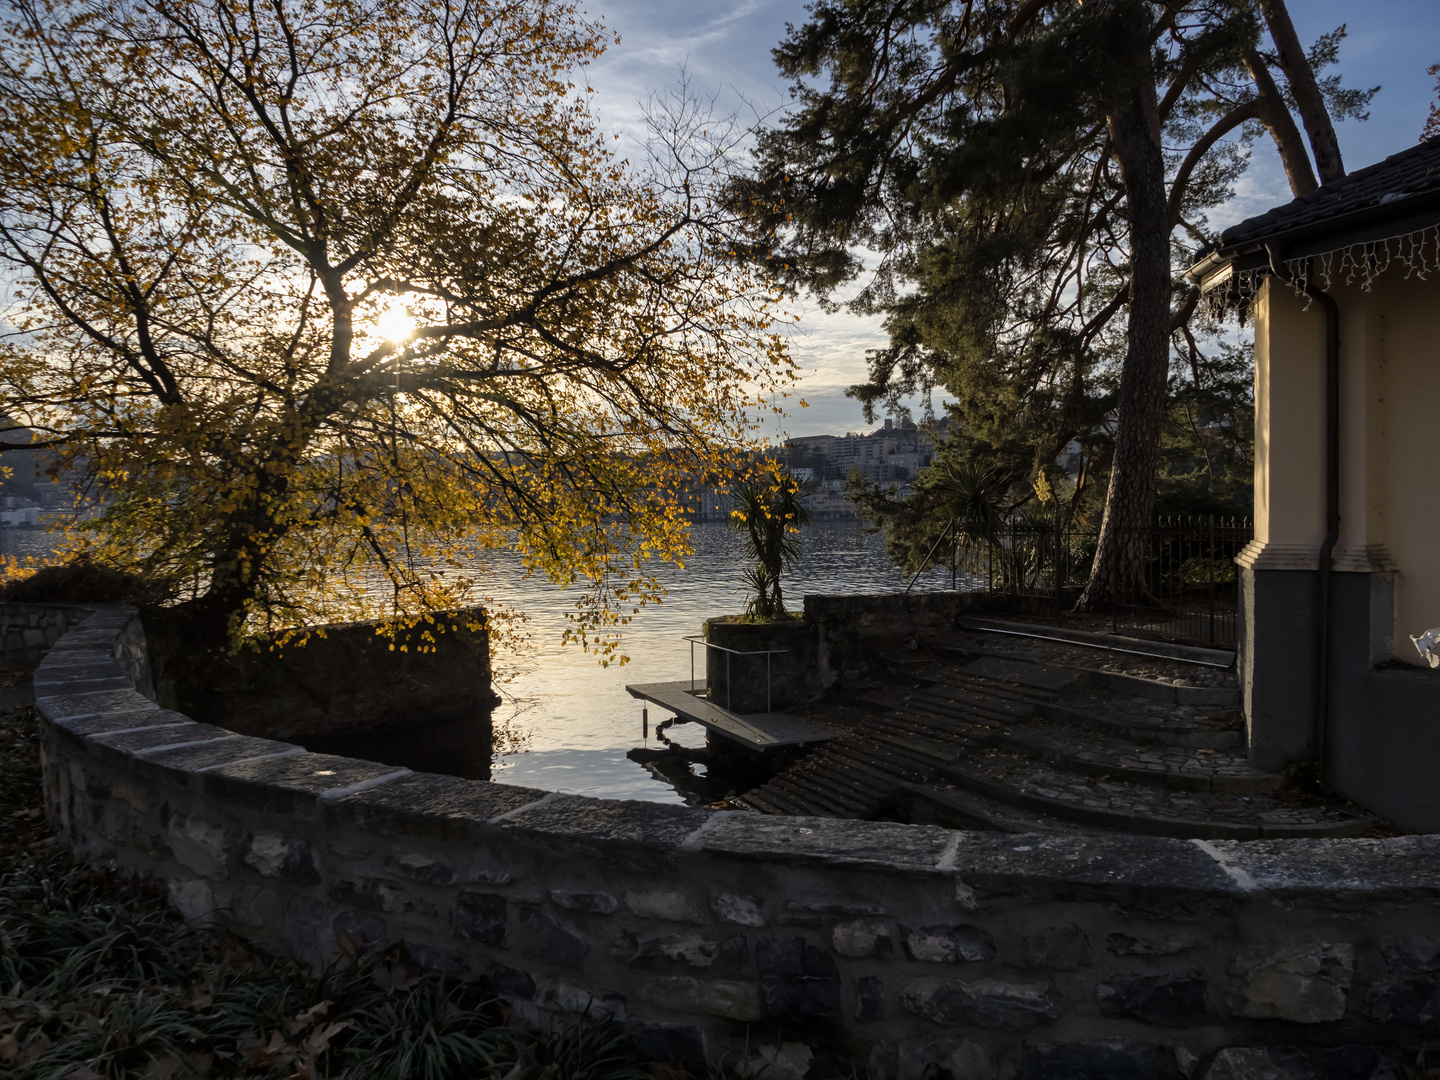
1039,746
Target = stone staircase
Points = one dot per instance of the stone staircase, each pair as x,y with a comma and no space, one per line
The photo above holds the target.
993,729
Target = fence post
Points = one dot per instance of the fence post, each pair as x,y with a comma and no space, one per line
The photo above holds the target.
1055,569
1210,573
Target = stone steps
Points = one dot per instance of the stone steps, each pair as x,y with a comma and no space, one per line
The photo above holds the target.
955,808
1016,745
1019,781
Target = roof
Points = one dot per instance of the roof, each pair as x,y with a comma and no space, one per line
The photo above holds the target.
1394,197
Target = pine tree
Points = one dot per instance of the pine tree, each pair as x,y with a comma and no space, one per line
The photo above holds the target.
1025,171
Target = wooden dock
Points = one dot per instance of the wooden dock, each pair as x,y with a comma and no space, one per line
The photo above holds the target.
755,731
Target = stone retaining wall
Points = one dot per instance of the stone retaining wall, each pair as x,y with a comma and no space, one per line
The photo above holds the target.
839,637
28,630
805,946
347,679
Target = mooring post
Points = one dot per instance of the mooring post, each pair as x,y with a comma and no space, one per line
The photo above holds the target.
644,721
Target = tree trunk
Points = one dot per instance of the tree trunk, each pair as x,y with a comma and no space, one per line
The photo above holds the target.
1118,572
1308,99
1277,118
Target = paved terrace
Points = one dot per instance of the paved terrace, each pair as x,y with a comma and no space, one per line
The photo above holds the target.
1002,726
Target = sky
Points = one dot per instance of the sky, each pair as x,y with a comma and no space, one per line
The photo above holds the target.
724,49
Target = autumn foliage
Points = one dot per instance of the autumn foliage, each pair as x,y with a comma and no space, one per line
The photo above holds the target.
319,301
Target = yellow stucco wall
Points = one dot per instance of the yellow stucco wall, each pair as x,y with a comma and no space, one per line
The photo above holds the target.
1389,430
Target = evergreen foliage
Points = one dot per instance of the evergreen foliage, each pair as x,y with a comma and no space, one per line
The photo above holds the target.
1013,184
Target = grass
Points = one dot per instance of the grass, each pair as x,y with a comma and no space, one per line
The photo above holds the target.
100,979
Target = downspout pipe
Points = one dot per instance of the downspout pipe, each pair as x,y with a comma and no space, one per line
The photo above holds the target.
1332,502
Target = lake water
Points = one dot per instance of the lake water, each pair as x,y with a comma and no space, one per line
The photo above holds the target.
566,723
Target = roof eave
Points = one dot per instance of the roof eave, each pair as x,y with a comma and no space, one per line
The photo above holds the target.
1370,224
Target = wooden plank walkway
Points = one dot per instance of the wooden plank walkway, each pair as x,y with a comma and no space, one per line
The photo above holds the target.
756,731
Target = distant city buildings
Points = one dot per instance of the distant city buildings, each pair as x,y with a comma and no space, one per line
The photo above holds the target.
28,497
891,454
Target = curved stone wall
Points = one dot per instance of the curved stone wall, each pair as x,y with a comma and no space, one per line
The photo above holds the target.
801,946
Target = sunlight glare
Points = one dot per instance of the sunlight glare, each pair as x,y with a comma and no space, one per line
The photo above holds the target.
395,323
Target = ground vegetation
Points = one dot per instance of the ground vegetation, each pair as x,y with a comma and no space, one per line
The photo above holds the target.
316,303
1014,185
103,981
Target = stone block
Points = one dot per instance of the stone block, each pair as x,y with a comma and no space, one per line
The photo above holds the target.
653,825
512,982
780,1061
869,998
692,950
740,910
1060,948
1338,871
200,846
561,995
681,1044
1155,999
1260,1063
257,906
862,938
947,944
293,785
1090,1061
735,949
1306,984
923,1059
837,842
371,894
594,903
308,930
662,904
1162,943
1406,1004
60,707
430,807
1409,955
362,931
800,982
424,869
987,1002
125,720
481,918
717,997
430,958
282,857
1359,1063
550,940
1155,872
193,899
832,907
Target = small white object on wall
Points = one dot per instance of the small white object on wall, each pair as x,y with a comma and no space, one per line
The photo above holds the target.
1429,645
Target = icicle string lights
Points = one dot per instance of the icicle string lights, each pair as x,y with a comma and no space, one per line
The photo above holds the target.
1418,252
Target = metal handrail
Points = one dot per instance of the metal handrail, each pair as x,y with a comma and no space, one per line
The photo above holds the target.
729,652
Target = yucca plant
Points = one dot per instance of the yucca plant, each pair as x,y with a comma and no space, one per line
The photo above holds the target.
769,518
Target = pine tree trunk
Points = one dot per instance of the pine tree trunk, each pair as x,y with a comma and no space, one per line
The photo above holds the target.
1118,572
1309,101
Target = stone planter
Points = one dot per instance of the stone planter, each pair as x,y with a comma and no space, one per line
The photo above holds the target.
738,682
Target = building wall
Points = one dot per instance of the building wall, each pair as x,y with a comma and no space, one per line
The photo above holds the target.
1382,734
1390,406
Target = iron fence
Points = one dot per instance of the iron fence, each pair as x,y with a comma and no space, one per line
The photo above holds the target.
1036,567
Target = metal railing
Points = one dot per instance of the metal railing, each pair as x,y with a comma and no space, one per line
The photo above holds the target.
1187,590
767,653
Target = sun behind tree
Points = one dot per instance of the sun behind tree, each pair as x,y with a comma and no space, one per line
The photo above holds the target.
315,297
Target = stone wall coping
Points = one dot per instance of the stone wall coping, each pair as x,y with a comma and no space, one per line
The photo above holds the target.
79,694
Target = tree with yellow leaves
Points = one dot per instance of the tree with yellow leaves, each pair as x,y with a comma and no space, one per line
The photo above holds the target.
320,297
